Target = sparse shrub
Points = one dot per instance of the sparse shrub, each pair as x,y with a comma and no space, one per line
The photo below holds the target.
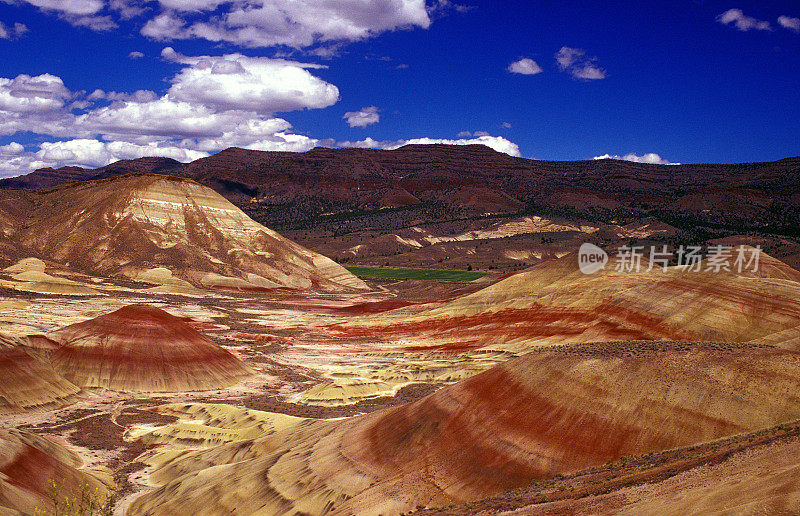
83,502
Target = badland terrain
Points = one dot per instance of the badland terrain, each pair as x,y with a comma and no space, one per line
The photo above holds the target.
223,336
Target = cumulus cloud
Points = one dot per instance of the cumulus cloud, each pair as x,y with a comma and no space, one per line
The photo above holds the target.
497,143
11,149
787,22
525,66
83,13
294,23
96,23
578,64
70,7
25,94
164,27
192,5
213,102
96,153
506,125
257,84
313,25
14,164
12,32
363,117
128,9
88,153
136,55
252,23
650,157
742,22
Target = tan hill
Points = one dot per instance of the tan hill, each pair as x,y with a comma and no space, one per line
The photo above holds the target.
162,230
554,303
141,348
28,382
29,465
555,411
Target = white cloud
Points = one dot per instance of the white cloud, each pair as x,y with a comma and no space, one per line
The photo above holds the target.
128,9
787,22
25,94
95,153
70,7
82,13
742,22
567,56
213,102
88,153
11,149
506,125
650,157
192,5
136,55
96,23
163,117
578,64
497,143
589,71
165,27
257,84
525,66
18,165
281,141
12,32
306,24
294,23
363,117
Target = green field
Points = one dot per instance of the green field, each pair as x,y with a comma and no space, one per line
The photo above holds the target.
423,274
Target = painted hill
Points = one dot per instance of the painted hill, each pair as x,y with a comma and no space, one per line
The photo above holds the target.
141,348
27,381
555,411
161,230
29,464
554,303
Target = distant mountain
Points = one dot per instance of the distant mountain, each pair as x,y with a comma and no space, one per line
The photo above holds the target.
286,187
50,177
370,193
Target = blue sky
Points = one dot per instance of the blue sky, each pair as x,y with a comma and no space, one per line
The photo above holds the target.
87,82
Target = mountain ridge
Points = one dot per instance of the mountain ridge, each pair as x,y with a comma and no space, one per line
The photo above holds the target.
379,197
